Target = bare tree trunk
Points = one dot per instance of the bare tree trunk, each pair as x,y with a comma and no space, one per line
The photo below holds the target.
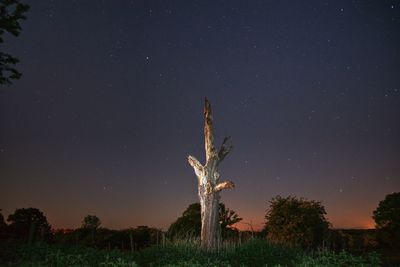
208,183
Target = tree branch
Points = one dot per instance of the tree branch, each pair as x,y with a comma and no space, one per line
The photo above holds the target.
198,168
225,149
224,185
208,130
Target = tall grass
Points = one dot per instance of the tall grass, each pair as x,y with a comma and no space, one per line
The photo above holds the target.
62,256
330,259
255,252
252,253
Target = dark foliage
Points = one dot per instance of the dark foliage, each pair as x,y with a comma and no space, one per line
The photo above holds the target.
2,222
88,231
130,239
15,254
255,252
352,240
227,218
387,219
3,228
11,13
189,224
296,222
252,253
91,222
29,225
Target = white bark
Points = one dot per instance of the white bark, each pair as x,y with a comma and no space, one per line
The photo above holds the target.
208,186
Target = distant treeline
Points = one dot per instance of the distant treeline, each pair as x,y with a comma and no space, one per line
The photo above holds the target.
290,221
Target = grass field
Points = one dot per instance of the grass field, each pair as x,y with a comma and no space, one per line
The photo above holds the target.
252,253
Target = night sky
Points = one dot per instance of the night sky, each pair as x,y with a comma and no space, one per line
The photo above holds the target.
111,103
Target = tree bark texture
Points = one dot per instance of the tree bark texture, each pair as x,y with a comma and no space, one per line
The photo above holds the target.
209,185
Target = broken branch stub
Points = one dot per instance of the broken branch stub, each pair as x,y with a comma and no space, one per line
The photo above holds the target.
224,149
224,185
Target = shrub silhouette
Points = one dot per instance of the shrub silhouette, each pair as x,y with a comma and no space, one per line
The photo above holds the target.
296,222
28,224
387,219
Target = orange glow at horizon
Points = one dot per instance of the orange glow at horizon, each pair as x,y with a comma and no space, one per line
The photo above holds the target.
352,223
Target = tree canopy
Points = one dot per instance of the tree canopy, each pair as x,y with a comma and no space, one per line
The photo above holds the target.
387,217
296,221
227,217
12,12
3,224
189,224
28,224
91,222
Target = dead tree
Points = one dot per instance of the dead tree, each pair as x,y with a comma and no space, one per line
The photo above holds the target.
209,185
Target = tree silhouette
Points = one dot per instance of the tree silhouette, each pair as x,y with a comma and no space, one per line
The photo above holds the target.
28,224
387,219
141,236
11,13
189,224
3,226
227,218
91,222
2,222
293,221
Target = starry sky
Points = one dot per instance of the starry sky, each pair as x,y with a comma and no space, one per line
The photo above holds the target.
111,99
